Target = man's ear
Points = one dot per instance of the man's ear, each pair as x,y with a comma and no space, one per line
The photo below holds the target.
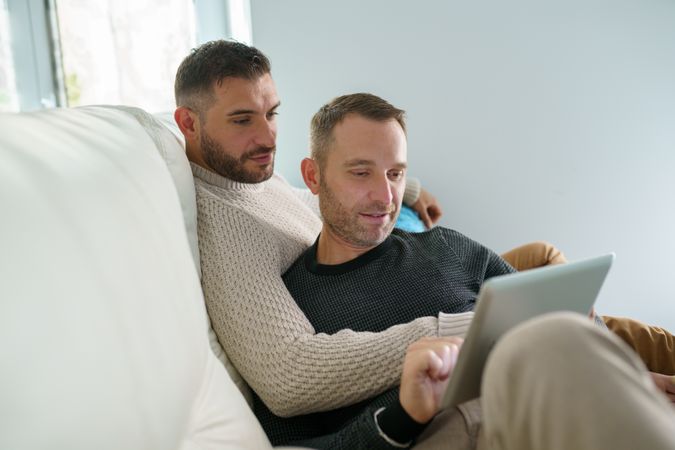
188,123
311,174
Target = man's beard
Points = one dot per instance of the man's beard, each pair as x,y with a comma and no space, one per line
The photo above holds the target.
234,169
345,224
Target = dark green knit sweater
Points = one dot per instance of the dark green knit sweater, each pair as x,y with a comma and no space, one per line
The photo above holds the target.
405,277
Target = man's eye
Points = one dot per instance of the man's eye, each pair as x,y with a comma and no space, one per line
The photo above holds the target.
271,114
396,174
242,121
359,173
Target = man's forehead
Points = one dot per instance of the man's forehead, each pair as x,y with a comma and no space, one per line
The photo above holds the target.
360,142
356,126
242,93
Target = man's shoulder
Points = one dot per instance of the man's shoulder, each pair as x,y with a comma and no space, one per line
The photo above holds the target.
271,218
436,234
440,239
230,215
245,200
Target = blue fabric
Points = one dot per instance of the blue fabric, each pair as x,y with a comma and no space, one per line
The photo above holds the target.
409,221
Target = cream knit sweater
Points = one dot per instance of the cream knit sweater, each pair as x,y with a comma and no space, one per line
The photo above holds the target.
249,235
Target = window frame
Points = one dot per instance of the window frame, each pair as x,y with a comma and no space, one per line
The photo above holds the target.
38,78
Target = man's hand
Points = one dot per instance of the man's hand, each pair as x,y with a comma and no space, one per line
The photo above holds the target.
665,383
428,208
428,365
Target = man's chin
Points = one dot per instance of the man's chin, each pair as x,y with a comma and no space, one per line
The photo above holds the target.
374,239
267,174
259,174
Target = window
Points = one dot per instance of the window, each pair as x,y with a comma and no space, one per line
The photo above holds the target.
240,20
123,51
79,52
8,97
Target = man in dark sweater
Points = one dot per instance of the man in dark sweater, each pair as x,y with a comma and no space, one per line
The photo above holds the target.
361,275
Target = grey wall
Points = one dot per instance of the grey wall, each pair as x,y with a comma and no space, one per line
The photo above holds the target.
527,119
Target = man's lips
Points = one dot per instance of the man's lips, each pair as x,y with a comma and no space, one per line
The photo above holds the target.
375,217
265,158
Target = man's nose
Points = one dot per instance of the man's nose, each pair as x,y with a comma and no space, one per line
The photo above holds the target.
266,134
382,190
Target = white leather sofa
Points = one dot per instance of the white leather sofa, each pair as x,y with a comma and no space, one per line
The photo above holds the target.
104,339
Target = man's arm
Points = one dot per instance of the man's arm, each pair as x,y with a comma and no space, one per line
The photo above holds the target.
293,369
366,431
428,208
427,368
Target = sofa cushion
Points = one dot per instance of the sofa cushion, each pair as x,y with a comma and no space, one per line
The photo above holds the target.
102,337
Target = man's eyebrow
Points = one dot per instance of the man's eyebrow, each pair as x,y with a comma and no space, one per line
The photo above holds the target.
368,162
359,162
238,112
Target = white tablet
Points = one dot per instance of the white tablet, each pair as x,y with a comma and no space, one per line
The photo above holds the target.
508,300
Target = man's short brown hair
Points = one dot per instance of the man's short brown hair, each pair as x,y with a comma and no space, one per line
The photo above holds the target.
329,115
212,62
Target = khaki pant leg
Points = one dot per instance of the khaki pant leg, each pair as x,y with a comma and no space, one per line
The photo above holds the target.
533,255
559,382
654,345
453,429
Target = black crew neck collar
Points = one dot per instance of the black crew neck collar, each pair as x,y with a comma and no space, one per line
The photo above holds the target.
337,269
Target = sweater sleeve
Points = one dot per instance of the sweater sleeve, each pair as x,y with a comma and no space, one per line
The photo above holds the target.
497,266
393,428
454,324
293,369
309,199
413,187
361,433
479,262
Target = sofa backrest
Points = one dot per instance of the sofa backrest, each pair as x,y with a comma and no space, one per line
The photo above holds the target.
170,144
103,342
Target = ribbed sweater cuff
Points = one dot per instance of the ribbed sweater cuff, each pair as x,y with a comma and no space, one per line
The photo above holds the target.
413,187
454,324
397,424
